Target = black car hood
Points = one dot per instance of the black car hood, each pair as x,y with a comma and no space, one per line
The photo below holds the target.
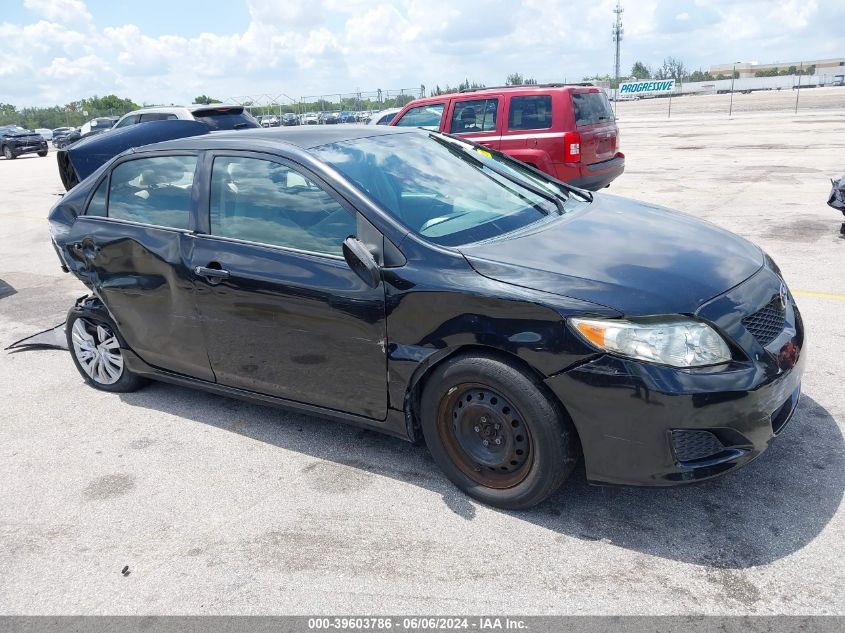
84,157
635,257
22,135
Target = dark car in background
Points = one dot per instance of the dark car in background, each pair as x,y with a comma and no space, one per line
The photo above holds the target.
331,118
423,286
59,136
16,141
68,138
565,130
289,118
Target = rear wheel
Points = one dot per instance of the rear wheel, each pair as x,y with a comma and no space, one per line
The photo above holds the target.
495,433
8,153
42,154
97,354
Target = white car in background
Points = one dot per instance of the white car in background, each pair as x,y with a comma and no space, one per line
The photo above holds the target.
384,117
217,116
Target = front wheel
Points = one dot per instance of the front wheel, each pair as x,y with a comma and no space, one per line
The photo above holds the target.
495,433
97,354
8,153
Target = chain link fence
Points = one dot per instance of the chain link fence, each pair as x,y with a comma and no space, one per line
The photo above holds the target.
789,93
371,100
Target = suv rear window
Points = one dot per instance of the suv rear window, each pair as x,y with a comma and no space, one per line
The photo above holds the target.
591,107
530,113
225,118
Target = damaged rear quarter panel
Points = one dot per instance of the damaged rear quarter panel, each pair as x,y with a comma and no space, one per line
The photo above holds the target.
138,271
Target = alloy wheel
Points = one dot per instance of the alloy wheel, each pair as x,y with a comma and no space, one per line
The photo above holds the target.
97,350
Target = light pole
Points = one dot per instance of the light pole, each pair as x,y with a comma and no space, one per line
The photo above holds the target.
733,76
798,93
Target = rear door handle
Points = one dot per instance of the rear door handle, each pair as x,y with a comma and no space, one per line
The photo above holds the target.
212,275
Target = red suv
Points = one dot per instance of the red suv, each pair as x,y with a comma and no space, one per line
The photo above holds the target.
565,130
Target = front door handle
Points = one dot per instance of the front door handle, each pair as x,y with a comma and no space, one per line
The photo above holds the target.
211,275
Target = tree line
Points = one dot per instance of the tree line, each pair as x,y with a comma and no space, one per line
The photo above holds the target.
75,113
72,114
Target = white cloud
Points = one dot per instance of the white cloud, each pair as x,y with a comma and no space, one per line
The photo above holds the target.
64,11
330,46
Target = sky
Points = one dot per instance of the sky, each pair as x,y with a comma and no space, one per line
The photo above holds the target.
166,51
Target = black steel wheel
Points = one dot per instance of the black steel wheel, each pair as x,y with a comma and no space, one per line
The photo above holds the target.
495,431
484,435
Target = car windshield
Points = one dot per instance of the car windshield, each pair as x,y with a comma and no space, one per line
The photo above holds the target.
447,191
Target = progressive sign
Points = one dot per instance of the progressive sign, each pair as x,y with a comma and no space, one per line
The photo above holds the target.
639,87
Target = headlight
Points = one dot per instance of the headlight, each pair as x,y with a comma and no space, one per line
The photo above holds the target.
675,341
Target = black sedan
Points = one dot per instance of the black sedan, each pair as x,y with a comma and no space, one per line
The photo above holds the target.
416,284
15,141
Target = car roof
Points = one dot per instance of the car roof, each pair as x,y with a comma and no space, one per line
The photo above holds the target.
527,89
307,137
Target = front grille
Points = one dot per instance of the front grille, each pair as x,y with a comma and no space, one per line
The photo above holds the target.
692,445
765,324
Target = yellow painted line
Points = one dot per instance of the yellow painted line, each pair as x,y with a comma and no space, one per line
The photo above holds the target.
819,295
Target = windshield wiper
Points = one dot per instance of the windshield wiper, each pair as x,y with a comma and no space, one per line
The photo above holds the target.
470,154
581,193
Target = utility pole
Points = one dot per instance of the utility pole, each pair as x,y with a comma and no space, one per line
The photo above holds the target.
617,37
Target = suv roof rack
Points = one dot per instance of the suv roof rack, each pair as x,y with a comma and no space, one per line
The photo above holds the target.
551,85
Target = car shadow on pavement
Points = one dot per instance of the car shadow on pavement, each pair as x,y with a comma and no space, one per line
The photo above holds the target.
767,510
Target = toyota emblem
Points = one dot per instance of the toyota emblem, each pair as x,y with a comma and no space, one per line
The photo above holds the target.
783,295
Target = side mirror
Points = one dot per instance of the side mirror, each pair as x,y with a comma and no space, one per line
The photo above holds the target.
361,261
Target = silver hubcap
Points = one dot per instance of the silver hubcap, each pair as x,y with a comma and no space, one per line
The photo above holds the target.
98,352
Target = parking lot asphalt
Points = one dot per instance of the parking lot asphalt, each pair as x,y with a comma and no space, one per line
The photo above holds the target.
217,506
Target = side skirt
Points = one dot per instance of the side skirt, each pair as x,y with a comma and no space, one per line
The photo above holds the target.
393,425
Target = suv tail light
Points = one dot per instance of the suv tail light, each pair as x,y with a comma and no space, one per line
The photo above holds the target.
571,147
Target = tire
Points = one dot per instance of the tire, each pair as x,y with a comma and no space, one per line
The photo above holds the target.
42,154
8,153
96,350
528,455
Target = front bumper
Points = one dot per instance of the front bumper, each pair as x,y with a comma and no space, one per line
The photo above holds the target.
645,424
28,147
626,413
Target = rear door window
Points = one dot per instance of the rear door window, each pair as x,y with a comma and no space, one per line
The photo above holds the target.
153,191
478,115
97,206
226,118
427,116
530,113
591,108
